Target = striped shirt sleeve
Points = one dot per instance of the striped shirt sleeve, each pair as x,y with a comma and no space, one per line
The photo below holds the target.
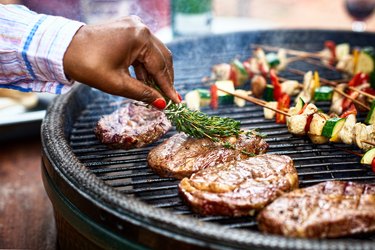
32,48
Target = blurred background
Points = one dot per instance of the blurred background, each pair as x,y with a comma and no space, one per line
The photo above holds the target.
192,17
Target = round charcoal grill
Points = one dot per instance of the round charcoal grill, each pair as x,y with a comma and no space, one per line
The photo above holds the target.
105,198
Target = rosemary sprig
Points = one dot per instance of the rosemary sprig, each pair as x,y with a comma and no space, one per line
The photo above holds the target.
200,125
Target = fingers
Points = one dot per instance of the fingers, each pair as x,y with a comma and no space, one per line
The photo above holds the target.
157,61
137,90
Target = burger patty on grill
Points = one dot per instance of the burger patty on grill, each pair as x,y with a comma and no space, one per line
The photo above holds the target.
326,210
181,155
132,126
239,187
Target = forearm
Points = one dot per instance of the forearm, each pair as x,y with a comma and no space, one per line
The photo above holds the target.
32,48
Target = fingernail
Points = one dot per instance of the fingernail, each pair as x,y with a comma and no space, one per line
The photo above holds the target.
179,97
159,103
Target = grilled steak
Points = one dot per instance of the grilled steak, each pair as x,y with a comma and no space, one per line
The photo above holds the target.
132,126
326,210
181,155
239,187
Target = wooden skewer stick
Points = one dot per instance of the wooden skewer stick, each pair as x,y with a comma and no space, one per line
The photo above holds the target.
289,51
299,72
368,142
362,92
349,151
254,100
353,100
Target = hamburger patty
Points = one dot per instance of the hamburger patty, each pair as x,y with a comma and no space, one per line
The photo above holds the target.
239,187
326,210
132,126
181,155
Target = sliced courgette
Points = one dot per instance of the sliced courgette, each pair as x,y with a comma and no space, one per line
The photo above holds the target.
272,60
370,119
342,50
333,126
299,105
268,93
324,93
224,98
365,63
368,157
241,74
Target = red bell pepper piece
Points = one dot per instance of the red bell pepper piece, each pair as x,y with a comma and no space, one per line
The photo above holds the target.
233,75
347,102
373,165
332,48
308,122
277,93
351,110
369,90
303,108
282,104
214,97
358,79
247,67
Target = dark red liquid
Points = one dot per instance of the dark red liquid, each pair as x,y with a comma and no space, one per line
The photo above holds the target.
360,10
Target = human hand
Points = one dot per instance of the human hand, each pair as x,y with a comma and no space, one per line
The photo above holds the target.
100,55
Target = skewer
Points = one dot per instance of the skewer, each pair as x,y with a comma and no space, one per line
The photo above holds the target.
362,92
299,72
349,151
352,99
254,100
368,142
320,64
289,51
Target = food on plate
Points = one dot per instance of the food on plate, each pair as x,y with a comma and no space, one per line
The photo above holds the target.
239,187
132,126
26,99
181,155
326,210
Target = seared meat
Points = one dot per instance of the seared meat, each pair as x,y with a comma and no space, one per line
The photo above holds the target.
239,188
132,126
326,210
181,155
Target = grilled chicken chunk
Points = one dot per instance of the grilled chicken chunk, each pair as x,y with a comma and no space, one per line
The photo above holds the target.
241,187
326,210
181,155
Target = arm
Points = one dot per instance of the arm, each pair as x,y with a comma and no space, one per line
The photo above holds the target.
32,47
41,53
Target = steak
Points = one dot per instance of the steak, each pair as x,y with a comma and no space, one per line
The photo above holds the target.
132,126
326,210
239,187
181,155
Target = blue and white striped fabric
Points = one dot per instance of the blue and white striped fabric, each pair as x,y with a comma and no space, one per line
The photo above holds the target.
32,48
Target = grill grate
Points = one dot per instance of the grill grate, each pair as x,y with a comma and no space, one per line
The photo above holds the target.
127,171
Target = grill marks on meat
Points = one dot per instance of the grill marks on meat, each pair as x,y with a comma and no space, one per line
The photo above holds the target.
326,210
241,187
181,155
132,126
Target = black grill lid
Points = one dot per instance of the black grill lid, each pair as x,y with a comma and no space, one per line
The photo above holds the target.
116,189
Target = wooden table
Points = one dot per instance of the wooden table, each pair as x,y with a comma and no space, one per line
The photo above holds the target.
26,214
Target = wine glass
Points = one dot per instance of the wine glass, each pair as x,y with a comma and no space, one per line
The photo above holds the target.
359,10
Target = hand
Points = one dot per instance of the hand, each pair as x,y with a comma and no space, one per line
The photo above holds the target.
100,55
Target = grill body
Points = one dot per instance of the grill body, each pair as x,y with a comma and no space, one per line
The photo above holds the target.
110,199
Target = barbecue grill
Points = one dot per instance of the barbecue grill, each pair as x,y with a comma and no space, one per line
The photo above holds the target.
107,198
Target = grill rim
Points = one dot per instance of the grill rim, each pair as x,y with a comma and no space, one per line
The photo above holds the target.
64,167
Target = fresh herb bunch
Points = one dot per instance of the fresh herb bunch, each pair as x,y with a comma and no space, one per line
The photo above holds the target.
200,125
